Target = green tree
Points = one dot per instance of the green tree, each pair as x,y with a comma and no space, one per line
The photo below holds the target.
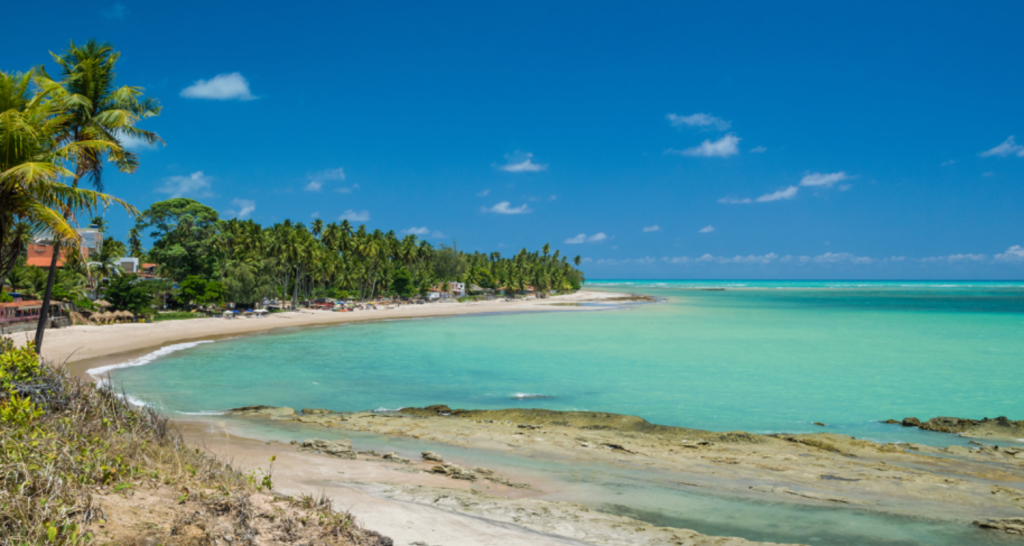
128,293
93,110
185,237
192,290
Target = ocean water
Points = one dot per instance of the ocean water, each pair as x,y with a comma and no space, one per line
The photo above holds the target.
756,356
717,355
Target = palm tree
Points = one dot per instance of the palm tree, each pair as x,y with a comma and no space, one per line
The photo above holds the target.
577,261
33,196
92,109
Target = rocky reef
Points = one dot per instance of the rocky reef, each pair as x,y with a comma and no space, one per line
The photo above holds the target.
1000,428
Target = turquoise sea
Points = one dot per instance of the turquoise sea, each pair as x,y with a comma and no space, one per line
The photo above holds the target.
720,355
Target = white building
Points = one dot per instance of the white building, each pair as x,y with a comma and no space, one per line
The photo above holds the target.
455,290
129,265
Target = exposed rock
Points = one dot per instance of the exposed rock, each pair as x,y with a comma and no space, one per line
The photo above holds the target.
1000,427
957,450
891,422
483,471
454,471
262,411
391,456
818,424
431,456
1013,526
336,448
317,411
532,427
587,420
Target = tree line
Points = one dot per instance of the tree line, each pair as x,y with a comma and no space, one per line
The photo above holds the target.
293,262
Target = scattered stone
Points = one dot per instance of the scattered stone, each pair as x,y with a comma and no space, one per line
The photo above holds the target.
431,456
505,481
891,422
337,448
818,424
316,411
531,427
957,450
370,453
483,471
262,411
911,422
1013,526
393,457
454,471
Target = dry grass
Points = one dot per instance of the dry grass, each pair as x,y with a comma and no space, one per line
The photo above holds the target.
76,462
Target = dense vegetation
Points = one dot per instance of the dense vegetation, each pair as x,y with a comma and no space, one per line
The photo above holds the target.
246,262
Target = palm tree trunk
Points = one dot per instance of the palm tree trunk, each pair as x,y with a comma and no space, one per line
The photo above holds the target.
44,311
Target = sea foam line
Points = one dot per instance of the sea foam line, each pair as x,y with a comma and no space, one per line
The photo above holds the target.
145,359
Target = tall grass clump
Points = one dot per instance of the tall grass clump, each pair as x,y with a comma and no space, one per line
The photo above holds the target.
66,443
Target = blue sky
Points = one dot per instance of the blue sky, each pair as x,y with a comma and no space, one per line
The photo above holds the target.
659,140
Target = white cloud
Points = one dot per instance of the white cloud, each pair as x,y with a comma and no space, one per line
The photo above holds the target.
988,174
698,120
505,207
315,214
947,163
245,207
758,150
723,147
522,163
649,229
196,184
827,179
116,12
317,179
1013,254
956,258
735,200
483,193
779,195
355,215
837,257
424,232
743,260
1008,147
706,229
845,187
136,144
582,238
220,87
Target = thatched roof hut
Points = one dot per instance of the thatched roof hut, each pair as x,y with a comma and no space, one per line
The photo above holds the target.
102,303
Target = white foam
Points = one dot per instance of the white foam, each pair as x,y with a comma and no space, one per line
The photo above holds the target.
145,359
204,412
382,409
527,396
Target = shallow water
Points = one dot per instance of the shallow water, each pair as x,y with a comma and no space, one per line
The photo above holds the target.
772,359
765,357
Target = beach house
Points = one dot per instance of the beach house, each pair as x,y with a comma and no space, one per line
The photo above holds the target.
455,290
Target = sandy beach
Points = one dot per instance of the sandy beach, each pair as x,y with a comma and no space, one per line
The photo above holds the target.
82,347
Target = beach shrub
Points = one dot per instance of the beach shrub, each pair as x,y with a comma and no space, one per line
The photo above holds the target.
128,293
5,297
